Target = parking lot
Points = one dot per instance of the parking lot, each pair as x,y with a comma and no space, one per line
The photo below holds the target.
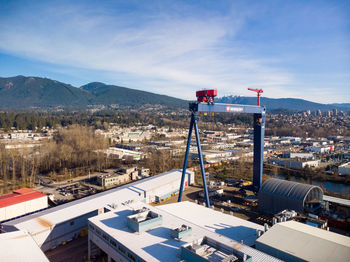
67,192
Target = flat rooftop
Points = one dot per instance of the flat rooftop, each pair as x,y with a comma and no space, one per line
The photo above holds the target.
306,242
157,244
229,226
337,200
19,246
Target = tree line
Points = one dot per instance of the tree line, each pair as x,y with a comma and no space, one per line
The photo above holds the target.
38,120
73,151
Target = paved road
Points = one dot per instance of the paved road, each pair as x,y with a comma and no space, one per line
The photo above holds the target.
75,251
69,181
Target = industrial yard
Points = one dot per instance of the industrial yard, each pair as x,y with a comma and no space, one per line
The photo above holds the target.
127,210
174,131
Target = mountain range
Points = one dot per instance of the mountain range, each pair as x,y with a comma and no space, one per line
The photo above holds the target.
292,104
23,93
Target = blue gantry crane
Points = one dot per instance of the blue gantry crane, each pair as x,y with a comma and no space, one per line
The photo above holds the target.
205,104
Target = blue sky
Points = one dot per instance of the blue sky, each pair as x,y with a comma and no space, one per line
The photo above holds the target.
290,48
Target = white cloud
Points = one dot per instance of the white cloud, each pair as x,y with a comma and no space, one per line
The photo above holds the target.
167,53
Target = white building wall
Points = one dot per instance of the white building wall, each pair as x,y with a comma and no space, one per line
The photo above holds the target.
15,210
314,163
2,213
36,204
23,208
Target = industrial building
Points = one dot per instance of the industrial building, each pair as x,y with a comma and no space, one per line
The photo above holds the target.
337,212
211,156
294,241
120,153
108,180
140,232
120,176
276,195
295,163
20,202
320,149
338,205
303,155
344,169
51,227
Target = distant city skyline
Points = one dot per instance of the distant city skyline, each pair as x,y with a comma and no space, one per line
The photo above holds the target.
297,49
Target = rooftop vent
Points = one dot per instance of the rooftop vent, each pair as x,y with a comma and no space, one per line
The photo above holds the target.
143,220
144,209
208,249
181,232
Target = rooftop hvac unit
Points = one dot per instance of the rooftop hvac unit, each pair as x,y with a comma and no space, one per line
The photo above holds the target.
180,232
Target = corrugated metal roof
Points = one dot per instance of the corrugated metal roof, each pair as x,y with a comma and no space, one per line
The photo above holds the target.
309,243
277,194
24,190
341,201
289,189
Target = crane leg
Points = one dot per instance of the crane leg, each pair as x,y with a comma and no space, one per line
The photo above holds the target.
186,158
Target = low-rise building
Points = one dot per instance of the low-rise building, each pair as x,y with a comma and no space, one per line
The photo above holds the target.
20,202
120,153
302,155
344,169
210,155
140,232
295,163
112,179
121,176
294,241
320,149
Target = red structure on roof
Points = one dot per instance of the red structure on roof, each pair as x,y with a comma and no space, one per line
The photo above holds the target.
19,196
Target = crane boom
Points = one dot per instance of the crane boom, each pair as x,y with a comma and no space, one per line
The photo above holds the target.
258,91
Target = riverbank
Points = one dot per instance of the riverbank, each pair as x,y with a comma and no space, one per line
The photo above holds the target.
306,174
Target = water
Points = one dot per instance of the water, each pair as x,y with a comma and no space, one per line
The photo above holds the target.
329,186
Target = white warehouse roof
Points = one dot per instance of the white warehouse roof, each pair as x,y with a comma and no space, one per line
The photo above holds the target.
230,226
156,244
294,241
19,246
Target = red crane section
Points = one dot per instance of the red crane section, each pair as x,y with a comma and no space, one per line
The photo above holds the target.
206,95
258,91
